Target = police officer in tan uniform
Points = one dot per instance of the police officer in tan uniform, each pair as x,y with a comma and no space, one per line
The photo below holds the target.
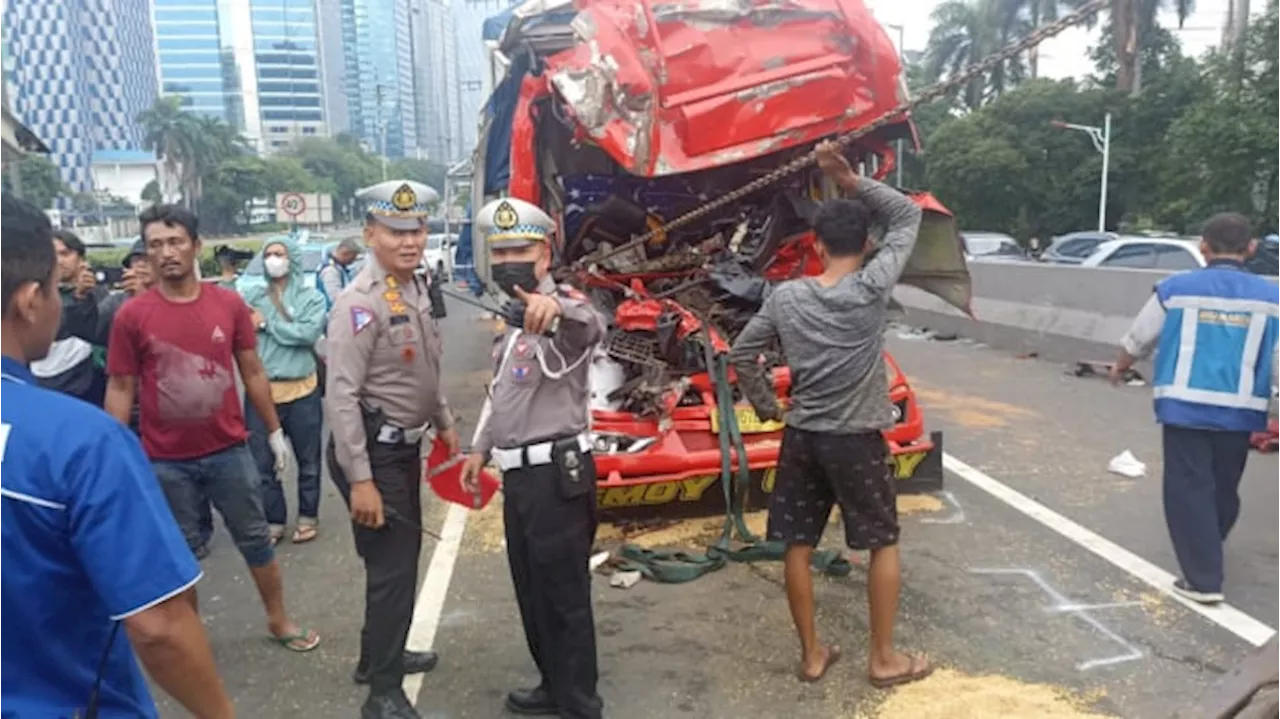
382,402
535,428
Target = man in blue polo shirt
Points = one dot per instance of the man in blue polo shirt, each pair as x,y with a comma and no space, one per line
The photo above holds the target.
89,544
1214,334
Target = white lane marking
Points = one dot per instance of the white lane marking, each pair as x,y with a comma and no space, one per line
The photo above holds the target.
435,587
1224,615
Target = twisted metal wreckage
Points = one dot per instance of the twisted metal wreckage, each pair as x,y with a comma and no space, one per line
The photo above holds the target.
614,115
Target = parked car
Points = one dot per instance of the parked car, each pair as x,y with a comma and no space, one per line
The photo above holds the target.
1073,247
1148,253
438,255
991,245
1266,261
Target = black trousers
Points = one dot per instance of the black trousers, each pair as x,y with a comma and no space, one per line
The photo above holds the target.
390,557
548,546
1202,470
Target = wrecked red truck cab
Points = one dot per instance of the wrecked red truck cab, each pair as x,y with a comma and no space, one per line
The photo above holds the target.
617,117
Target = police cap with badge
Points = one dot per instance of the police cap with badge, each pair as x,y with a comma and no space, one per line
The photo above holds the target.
402,205
512,223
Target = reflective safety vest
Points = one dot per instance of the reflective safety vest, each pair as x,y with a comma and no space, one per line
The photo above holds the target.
1217,351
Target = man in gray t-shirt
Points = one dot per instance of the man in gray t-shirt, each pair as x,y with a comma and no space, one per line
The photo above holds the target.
831,330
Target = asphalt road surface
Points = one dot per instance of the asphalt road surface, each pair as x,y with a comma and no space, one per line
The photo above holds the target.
1008,574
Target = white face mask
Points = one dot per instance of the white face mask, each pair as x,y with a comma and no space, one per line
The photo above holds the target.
276,266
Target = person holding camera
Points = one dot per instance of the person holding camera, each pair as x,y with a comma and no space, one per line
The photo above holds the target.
71,366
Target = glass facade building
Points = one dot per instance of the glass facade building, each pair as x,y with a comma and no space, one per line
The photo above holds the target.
377,46
286,53
81,71
436,82
254,63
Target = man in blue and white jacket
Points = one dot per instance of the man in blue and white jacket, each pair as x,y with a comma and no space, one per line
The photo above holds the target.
1214,334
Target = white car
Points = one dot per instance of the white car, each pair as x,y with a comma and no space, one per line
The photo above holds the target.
438,255
1147,253
991,245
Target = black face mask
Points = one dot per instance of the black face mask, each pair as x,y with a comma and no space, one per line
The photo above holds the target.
507,275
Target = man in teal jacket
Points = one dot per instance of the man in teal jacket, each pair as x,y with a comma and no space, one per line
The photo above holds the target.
290,316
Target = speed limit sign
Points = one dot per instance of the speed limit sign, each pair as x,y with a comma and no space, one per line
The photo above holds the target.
292,204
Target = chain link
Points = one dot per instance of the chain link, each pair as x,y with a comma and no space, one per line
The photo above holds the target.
926,96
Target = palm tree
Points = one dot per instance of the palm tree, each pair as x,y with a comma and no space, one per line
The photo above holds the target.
1132,21
1043,12
966,31
168,130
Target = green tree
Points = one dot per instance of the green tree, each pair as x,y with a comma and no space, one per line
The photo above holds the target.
966,31
151,193
41,183
171,133
341,164
1043,12
1132,23
427,172
1221,152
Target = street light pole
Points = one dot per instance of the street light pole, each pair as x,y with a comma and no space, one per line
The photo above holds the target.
1101,137
903,69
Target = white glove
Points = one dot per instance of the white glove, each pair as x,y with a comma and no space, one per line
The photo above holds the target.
283,452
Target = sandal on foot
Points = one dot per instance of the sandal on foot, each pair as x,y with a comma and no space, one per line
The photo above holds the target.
917,670
304,533
276,533
833,656
304,640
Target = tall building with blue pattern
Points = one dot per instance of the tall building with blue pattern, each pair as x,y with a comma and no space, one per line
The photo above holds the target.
81,72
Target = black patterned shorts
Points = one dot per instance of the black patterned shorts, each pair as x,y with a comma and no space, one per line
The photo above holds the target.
817,469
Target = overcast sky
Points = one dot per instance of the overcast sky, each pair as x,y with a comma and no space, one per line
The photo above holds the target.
1067,55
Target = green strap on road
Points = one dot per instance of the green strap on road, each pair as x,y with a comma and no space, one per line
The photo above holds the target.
679,567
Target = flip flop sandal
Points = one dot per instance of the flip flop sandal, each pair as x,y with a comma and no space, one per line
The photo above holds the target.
913,674
833,656
277,534
305,533
304,640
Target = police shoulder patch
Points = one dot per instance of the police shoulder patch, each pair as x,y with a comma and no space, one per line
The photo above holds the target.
361,317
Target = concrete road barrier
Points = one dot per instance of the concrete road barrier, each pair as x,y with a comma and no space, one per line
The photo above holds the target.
1059,312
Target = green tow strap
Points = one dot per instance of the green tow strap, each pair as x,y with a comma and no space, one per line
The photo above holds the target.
679,567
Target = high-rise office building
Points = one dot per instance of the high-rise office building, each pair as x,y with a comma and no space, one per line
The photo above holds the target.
286,45
377,46
204,55
254,63
81,72
436,81
333,64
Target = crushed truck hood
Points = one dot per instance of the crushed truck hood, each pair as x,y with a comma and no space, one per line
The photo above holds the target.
684,85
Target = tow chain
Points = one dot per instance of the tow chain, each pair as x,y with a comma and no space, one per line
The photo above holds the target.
1041,34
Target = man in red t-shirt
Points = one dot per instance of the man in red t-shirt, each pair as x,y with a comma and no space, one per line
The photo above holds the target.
173,348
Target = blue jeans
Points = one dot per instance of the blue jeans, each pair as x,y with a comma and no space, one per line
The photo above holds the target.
230,481
301,420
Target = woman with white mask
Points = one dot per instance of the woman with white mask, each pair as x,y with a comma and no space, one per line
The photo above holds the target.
290,317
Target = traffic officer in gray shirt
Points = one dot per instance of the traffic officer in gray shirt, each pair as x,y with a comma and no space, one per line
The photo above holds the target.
535,427
382,399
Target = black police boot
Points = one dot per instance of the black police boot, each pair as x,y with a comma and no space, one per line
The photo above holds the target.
532,702
388,704
414,663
